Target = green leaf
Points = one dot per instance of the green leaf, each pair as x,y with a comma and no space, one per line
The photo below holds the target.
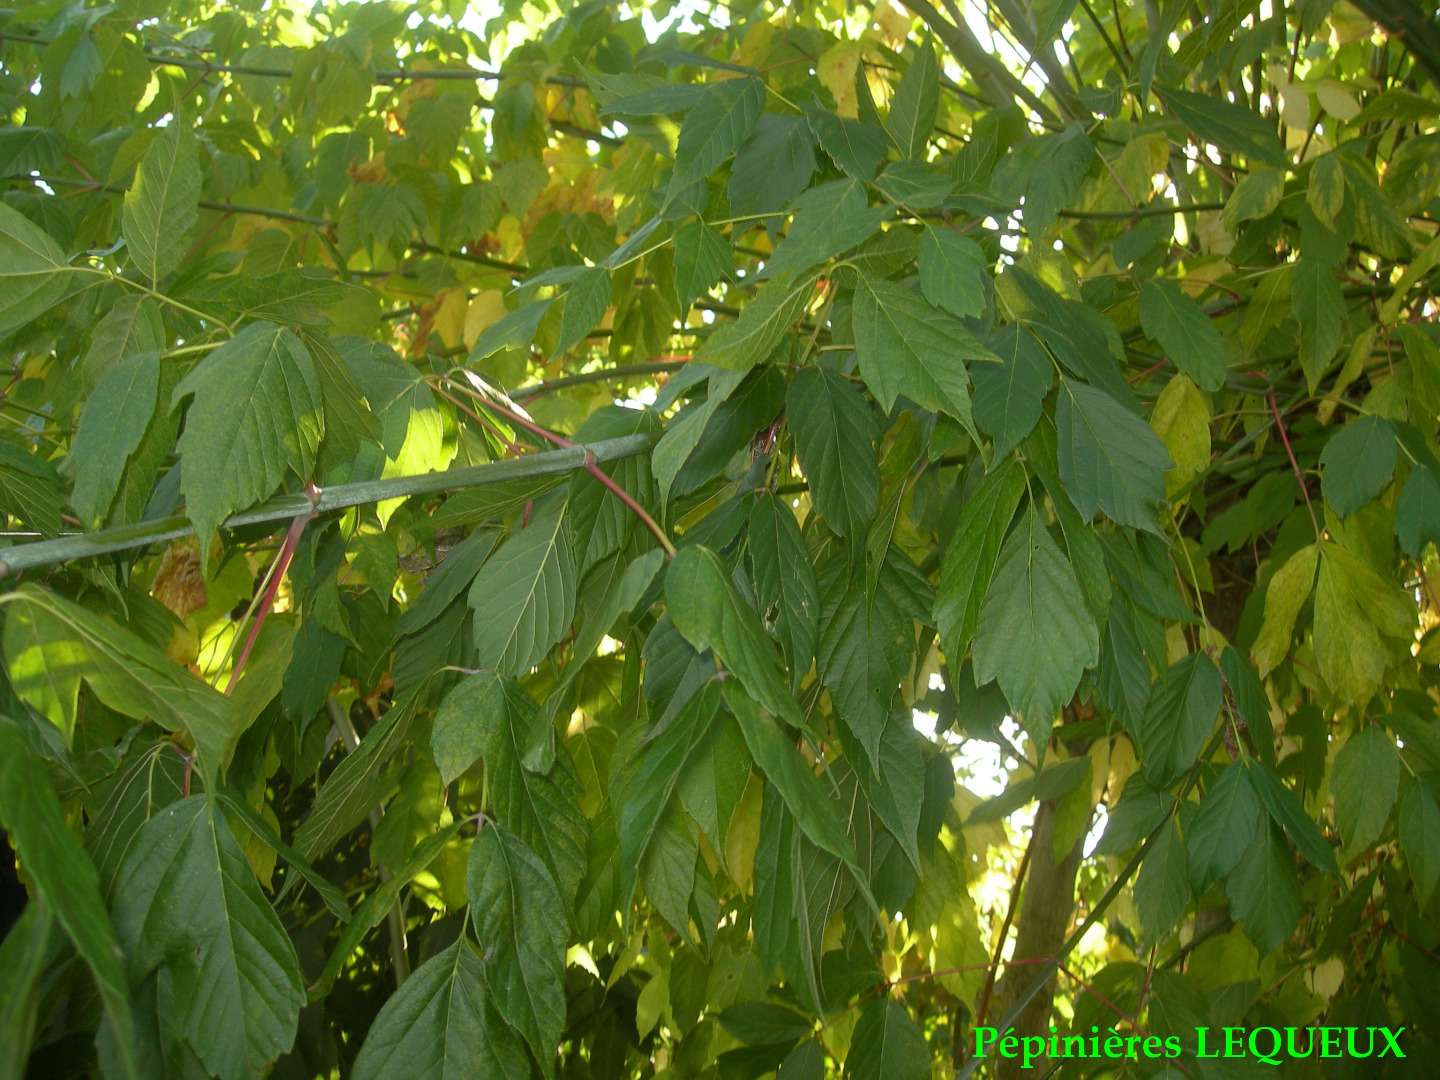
112,423
1319,308
33,271
710,614
682,435
1285,595
798,888
348,420
1179,718
585,303
186,900
149,780
619,599
132,325
1365,783
30,489
521,927
524,595
1184,331
886,1044
668,755
1009,395
1035,635
1357,463
896,786
865,649
360,782
952,274
162,206
907,347
1228,817
23,955
1417,514
1378,225
970,557
300,867
773,166
761,1023
1109,458
1420,839
1162,889
125,672
912,108
257,410
515,329
829,219
1285,810
835,431
702,259
1363,621
1047,173
1255,196
490,718
784,580
372,911
442,1024
65,880
1325,189
1263,894
855,146
806,798
714,128
752,337
915,187
668,869
1230,127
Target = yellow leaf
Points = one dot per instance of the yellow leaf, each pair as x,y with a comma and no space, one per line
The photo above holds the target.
450,316
894,24
485,310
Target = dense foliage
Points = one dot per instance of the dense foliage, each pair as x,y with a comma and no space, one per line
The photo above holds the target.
521,532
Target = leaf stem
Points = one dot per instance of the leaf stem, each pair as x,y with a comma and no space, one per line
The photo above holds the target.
589,462
272,588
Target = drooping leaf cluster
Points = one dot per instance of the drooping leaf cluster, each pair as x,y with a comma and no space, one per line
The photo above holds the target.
518,531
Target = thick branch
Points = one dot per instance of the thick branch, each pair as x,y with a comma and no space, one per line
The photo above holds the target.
545,463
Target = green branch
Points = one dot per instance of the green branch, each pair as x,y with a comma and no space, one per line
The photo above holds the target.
339,497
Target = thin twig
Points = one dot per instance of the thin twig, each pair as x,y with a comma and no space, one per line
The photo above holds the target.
1015,890
1290,453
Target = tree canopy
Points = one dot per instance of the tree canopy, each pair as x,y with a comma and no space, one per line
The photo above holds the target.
701,539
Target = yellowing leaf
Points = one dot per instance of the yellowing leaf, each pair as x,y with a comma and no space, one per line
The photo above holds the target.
836,71
1336,100
1182,420
1287,592
1356,611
